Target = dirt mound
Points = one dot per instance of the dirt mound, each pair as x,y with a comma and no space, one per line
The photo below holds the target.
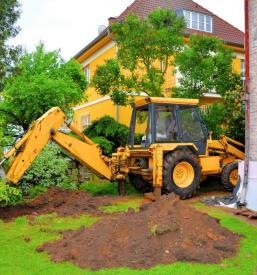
63,202
160,233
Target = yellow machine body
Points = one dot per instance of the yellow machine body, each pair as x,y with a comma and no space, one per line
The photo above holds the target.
157,157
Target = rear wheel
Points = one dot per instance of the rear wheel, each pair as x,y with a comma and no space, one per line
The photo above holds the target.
229,175
181,173
140,184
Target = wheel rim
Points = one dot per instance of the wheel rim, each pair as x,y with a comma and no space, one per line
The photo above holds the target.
233,177
183,174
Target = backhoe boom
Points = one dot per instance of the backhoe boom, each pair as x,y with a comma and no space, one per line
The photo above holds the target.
41,132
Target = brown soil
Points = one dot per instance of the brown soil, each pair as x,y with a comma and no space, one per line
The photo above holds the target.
160,233
63,202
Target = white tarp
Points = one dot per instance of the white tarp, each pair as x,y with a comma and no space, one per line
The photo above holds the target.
233,201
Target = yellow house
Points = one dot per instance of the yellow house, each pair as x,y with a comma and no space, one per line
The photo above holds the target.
198,19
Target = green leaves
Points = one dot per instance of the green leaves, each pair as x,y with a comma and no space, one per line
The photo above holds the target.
9,14
205,66
48,169
143,45
43,80
9,195
111,130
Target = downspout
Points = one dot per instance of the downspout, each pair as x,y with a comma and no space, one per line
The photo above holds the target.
247,106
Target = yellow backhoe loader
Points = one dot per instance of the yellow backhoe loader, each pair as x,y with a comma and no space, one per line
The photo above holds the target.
175,152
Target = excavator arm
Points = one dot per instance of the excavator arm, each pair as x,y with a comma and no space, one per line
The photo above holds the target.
227,146
41,132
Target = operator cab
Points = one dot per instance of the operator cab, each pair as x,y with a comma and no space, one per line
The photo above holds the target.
167,120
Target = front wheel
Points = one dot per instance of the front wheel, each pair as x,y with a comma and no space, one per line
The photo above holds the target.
229,175
181,173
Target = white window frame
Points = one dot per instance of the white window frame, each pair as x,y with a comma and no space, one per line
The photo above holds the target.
87,73
189,23
85,121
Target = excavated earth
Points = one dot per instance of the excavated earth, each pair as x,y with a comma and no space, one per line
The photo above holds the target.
61,201
160,233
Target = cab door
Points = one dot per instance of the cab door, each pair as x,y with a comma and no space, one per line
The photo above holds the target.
192,128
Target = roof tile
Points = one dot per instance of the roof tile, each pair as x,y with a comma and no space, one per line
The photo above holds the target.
222,29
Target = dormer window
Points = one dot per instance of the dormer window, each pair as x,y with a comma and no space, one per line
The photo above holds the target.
198,21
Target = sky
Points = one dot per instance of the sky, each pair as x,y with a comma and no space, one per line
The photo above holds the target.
70,25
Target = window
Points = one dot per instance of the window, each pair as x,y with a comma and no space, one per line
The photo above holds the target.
166,126
198,21
143,127
87,73
85,121
191,129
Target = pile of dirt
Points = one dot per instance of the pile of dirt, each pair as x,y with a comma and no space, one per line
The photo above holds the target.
63,202
160,233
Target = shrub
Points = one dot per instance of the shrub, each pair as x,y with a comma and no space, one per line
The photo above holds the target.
110,129
213,117
114,133
106,145
9,195
48,169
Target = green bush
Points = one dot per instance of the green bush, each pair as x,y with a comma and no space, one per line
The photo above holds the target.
106,145
110,129
114,133
9,195
213,116
48,169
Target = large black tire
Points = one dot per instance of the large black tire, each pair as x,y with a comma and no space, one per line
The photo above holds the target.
229,176
140,184
176,162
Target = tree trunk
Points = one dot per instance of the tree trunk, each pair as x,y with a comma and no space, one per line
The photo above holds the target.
253,80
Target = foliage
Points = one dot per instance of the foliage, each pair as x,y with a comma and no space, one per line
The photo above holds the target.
105,144
110,129
107,132
9,14
234,116
213,116
205,66
226,118
146,49
48,169
9,195
43,80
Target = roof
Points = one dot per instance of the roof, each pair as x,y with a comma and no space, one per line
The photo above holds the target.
222,29
166,100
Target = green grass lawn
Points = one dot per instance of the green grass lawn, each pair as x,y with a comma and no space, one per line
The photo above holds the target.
18,256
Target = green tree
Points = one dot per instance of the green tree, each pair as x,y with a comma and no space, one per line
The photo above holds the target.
109,134
146,47
9,13
206,65
43,80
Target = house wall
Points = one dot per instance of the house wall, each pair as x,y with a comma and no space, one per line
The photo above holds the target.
98,106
